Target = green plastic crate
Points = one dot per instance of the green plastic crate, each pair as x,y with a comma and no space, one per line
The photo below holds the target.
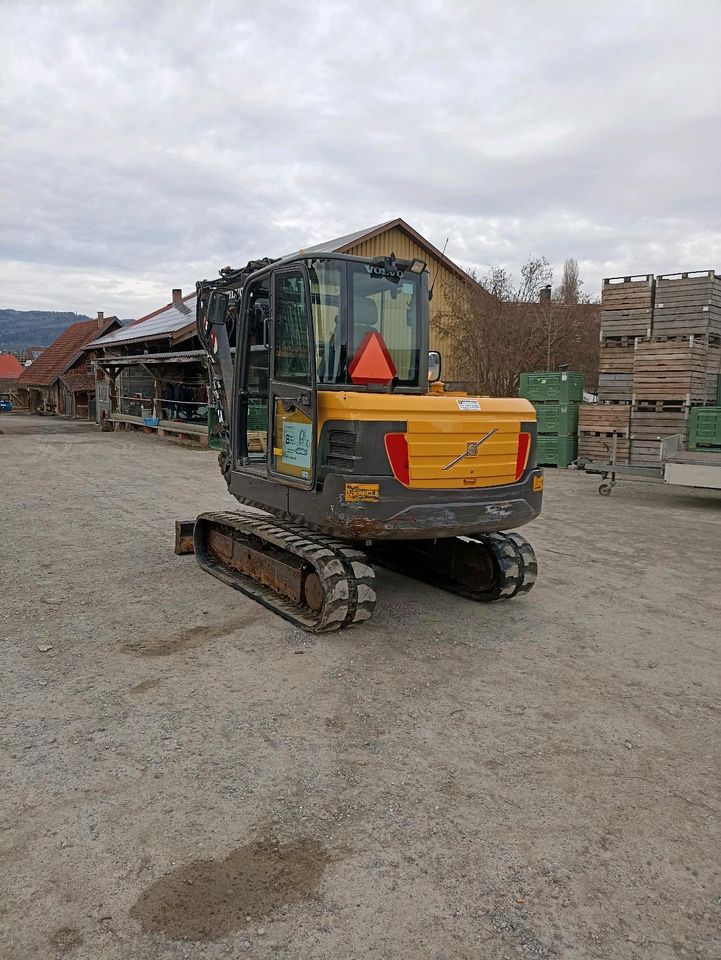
558,419
556,451
552,387
257,415
704,428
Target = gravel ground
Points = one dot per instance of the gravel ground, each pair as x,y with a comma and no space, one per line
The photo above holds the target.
186,775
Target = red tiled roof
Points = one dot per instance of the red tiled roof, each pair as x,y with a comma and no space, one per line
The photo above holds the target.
79,381
63,352
10,367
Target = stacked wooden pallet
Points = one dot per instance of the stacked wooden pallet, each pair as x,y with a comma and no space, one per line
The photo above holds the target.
687,304
713,371
627,307
598,423
660,355
626,314
257,440
669,373
649,427
615,370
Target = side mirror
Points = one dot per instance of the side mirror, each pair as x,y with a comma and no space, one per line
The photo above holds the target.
434,366
217,308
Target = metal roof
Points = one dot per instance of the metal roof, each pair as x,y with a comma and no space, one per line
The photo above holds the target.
170,321
341,243
345,244
165,323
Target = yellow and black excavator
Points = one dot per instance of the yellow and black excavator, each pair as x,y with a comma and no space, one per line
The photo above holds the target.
335,424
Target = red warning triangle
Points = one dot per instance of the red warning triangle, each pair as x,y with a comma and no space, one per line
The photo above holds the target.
371,362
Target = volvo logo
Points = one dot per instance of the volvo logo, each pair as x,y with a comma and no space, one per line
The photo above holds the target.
471,449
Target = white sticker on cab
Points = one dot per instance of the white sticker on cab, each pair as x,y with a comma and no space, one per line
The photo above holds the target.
469,405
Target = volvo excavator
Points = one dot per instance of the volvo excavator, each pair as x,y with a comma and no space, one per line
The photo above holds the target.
335,424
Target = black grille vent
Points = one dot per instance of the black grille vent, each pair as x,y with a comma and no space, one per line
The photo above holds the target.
341,449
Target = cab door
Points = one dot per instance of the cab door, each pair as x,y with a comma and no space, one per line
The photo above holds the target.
292,390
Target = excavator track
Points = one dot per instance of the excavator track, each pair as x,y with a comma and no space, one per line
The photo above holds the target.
528,561
314,581
486,568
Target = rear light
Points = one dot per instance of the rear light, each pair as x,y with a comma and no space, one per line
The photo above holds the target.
524,445
397,450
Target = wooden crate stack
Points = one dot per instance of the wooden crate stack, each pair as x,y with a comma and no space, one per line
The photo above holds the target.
597,424
678,367
687,304
660,354
626,315
627,306
615,369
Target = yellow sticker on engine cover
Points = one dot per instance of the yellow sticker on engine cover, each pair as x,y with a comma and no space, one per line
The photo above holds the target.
537,484
362,492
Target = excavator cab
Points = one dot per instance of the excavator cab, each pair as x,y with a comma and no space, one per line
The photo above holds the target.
320,366
321,324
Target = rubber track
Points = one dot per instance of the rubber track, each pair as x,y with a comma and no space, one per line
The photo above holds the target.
345,573
528,558
513,559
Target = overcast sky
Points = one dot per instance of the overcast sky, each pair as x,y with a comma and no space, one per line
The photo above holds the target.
146,144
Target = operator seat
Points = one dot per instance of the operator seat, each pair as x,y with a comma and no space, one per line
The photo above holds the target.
365,318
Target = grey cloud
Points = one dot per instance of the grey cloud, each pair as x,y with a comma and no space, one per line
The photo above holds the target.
146,145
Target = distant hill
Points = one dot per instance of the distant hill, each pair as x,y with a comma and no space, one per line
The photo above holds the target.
34,328
24,328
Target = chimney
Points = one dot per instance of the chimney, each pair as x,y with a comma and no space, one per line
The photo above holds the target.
177,297
101,319
544,294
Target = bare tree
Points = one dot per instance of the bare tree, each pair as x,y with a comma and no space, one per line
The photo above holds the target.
497,327
536,273
570,289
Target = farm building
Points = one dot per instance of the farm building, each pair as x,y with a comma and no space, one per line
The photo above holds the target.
62,379
157,376
156,369
10,370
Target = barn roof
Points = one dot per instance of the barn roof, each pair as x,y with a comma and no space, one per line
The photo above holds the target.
171,321
350,240
62,353
177,319
78,381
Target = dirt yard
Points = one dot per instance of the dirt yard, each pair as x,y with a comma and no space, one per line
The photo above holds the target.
187,776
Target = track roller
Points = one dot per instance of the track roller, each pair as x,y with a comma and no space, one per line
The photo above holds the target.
488,567
317,583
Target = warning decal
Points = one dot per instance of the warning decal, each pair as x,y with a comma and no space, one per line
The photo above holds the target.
362,492
372,363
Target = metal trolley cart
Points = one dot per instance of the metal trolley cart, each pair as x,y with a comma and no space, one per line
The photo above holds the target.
676,467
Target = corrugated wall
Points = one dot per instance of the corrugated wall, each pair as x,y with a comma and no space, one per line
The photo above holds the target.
396,241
